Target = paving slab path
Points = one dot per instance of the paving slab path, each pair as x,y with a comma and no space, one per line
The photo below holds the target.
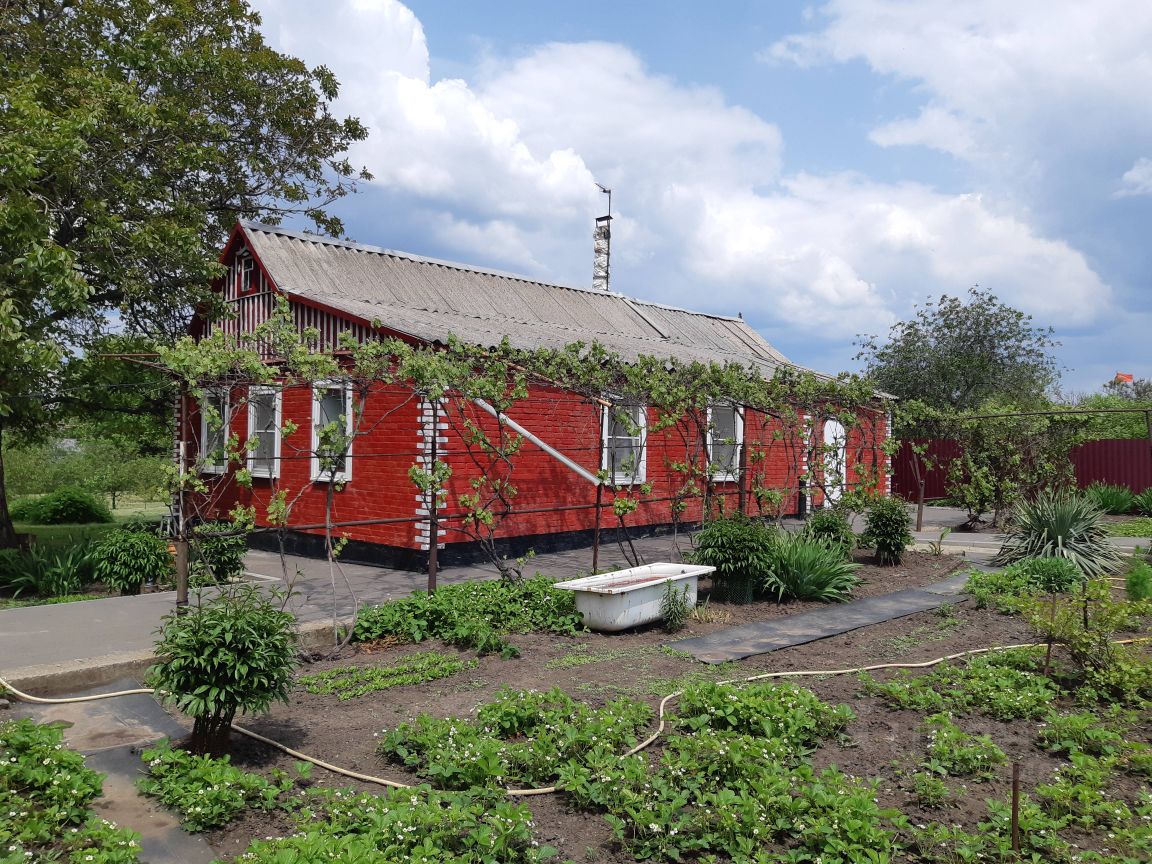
762,637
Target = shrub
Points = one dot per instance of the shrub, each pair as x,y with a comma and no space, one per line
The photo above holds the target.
831,527
234,652
125,560
741,551
1109,498
218,559
1138,582
1142,503
1055,525
62,507
809,569
886,530
474,614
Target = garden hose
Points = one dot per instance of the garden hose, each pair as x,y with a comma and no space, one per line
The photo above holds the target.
546,790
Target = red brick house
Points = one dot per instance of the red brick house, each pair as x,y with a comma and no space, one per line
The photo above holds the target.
339,287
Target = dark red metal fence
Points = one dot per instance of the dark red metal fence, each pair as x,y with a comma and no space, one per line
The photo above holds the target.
1123,462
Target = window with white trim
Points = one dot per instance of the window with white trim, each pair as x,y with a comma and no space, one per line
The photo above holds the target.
215,429
725,435
624,433
332,458
245,272
264,408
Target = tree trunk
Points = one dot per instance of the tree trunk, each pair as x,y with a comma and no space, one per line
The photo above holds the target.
8,539
211,736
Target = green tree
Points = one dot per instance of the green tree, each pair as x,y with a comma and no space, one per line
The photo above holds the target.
133,134
958,353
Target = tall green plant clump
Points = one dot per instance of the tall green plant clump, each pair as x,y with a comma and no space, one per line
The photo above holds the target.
804,568
1110,498
219,552
125,560
741,550
235,652
1057,525
887,530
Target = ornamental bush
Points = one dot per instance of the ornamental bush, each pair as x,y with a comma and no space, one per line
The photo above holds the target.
886,530
218,559
233,652
833,528
125,560
62,507
741,551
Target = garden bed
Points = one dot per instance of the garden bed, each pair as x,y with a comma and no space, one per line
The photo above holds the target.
922,808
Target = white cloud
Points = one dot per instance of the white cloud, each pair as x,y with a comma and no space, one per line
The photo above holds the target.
502,167
1137,180
1012,82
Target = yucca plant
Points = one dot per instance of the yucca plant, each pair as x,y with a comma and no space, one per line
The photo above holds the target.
1057,525
808,569
1110,498
1142,503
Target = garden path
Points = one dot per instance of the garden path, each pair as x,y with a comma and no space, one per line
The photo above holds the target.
762,637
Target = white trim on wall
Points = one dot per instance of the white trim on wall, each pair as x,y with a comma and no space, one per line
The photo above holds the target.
731,473
640,442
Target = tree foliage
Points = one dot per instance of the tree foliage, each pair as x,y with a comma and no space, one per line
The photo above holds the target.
134,133
958,353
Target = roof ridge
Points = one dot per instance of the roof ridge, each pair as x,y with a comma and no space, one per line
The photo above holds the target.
469,268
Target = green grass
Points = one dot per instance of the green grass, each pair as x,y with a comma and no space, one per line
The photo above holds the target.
20,602
50,538
1141,527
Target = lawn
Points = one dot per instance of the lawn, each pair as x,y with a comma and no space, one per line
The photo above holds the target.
892,766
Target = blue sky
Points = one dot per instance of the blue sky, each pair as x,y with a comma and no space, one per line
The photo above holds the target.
820,168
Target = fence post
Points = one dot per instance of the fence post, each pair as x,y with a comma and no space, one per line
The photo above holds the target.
433,506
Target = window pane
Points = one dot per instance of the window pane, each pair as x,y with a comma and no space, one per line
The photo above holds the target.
724,453
263,407
331,409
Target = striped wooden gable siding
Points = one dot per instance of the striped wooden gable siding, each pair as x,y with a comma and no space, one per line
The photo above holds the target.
330,327
251,300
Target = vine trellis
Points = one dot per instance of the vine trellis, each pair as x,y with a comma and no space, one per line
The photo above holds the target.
477,389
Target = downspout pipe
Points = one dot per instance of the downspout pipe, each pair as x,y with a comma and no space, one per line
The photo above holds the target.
505,420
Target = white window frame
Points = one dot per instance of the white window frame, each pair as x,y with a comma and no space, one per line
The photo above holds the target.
245,273
726,476
278,421
349,421
641,473
225,429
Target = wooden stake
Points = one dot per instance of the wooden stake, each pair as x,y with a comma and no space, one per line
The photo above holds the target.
1016,808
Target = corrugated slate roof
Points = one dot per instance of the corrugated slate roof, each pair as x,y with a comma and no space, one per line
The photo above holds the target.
430,299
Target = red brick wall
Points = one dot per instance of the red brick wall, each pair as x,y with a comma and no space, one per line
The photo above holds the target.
392,436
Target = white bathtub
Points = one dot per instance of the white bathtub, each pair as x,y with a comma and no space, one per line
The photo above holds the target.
629,598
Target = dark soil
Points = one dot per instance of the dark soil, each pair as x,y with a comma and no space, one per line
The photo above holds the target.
594,667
